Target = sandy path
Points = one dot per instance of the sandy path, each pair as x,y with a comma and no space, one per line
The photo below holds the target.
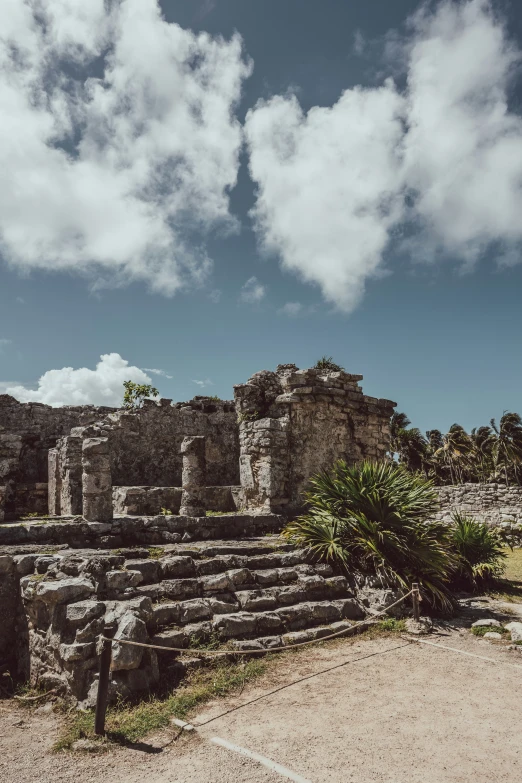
412,714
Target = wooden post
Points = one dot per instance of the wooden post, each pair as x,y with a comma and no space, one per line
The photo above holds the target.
415,598
103,682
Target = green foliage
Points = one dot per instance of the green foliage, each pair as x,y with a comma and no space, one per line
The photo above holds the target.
248,416
482,630
480,549
377,518
155,552
327,364
166,512
488,453
135,393
392,624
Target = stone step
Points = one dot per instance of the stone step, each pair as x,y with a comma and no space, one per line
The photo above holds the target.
241,579
138,531
258,625
185,566
251,600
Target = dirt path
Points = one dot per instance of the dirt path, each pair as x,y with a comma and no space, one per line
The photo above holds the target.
407,713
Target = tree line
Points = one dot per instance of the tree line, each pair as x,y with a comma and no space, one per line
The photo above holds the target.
488,453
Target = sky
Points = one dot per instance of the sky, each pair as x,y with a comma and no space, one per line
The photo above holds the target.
195,191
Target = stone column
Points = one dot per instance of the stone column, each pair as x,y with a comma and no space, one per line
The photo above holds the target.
71,475
96,480
194,477
54,485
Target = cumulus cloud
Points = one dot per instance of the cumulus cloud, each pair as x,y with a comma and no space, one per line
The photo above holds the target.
118,141
102,386
253,291
292,309
440,161
157,372
202,384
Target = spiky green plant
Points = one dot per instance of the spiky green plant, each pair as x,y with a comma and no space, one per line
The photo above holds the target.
480,549
377,518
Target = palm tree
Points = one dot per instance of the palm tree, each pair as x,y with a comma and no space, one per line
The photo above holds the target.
483,441
507,444
454,452
407,443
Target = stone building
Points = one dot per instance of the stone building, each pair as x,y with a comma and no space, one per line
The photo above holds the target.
131,546
260,450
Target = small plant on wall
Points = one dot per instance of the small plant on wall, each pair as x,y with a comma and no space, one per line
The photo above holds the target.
135,393
327,364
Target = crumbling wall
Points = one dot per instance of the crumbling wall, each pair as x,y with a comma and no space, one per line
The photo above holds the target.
295,423
145,443
27,432
495,504
149,501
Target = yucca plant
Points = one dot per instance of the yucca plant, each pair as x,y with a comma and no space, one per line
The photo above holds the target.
480,549
377,518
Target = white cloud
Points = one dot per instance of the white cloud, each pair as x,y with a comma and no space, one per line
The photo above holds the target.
4,342
20,300
253,291
102,386
292,309
157,372
443,160
113,175
202,384
215,295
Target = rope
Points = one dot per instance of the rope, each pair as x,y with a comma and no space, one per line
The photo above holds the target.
462,652
296,682
264,650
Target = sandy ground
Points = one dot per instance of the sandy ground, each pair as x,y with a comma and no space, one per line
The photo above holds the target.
407,714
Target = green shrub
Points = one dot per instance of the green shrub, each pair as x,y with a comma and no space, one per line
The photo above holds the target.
480,551
481,630
377,518
327,364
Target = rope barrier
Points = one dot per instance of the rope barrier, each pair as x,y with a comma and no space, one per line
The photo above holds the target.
265,649
462,652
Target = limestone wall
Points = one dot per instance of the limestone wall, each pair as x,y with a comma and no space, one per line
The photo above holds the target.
491,503
145,444
27,432
295,423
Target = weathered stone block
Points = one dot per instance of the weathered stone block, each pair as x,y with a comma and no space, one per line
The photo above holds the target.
64,590
120,580
124,656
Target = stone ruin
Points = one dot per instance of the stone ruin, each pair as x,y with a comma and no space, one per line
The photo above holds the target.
164,522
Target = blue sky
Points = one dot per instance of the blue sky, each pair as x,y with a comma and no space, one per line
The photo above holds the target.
437,327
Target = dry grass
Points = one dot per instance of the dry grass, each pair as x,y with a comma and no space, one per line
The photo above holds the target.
509,588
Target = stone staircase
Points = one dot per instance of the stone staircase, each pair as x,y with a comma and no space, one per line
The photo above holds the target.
257,593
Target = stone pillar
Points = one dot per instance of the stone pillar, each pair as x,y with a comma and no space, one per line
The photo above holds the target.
70,453
54,485
96,480
194,477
